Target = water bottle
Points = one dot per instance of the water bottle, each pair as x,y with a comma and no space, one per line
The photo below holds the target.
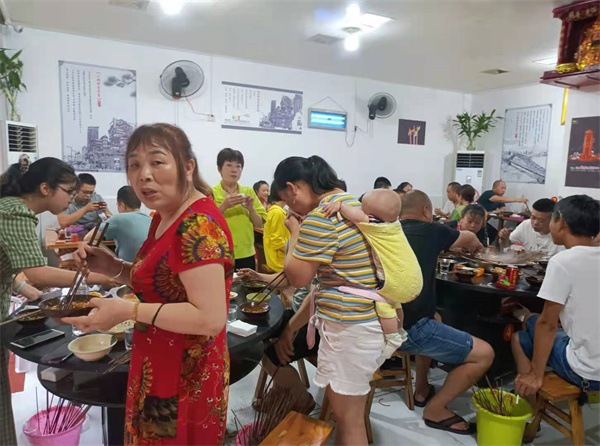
83,289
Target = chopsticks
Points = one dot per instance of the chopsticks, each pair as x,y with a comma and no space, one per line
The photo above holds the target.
18,318
82,272
280,276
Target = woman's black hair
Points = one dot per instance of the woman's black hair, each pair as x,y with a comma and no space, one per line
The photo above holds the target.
314,171
467,193
51,171
474,209
231,155
402,185
9,181
258,185
581,213
273,194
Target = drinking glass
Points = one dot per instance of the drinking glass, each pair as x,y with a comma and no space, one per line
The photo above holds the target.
128,337
444,266
68,234
232,314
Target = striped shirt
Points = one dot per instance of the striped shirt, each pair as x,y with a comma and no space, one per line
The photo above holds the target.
345,259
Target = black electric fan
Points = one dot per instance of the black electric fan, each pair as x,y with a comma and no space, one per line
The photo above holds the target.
381,105
181,79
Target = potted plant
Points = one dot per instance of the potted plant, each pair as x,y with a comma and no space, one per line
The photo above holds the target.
11,70
473,126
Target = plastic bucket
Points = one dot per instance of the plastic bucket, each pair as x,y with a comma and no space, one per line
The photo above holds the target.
498,430
34,432
243,436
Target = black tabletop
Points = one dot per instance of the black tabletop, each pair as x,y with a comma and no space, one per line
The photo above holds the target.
488,286
17,330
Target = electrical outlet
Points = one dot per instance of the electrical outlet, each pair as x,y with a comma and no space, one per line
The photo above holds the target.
211,118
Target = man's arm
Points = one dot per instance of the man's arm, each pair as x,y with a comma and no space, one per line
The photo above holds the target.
499,199
65,220
468,240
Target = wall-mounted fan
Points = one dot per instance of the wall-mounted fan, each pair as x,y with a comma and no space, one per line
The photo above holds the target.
181,79
381,105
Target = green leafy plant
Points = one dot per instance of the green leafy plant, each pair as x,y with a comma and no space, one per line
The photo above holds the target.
473,126
11,71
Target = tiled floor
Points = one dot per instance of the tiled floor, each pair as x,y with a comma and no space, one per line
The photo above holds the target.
393,424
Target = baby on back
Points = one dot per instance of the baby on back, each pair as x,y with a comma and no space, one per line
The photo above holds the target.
398,271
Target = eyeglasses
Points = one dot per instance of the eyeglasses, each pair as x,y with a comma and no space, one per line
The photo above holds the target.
88,192
71,192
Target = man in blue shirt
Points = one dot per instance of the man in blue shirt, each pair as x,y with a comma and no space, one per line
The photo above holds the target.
129,228
87,206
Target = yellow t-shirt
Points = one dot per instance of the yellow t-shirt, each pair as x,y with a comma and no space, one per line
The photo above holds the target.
238,220
275,238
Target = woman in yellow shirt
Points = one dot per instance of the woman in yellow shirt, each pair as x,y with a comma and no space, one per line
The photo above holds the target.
240,206
276,235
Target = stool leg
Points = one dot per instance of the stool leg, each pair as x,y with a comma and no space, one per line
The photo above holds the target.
260,385
576,423
532,428
368,405
303,374
325,414
410,396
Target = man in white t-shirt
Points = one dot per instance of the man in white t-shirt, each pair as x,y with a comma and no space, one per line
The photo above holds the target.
534,234
453,200
570,290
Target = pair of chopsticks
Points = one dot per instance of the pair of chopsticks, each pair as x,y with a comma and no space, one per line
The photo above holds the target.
82,271
280,276
18,318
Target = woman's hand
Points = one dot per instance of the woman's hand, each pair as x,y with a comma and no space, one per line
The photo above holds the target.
248,203
231,201
292,223
284,347
106,314
98,260
247,274
331,208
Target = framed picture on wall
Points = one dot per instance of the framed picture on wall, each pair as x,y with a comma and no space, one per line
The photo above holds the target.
411,132
583,160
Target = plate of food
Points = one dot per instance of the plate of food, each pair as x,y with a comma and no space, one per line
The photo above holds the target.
80,306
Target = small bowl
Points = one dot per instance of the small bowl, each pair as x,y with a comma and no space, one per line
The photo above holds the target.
255,312
258,297
543,264
92,347
534,281
232,295
119,330
467,276
254,286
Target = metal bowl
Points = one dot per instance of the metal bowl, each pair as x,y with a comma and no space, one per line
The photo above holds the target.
254,286
534,281
52,307
254,311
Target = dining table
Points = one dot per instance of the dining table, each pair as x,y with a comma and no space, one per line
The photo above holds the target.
52,242
92,383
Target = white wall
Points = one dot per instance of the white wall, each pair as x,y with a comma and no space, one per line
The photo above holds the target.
371,155
581,103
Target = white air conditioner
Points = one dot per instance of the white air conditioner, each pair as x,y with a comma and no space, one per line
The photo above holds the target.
469,169
17,138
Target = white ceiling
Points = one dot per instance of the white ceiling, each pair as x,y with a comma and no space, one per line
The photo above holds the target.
442,44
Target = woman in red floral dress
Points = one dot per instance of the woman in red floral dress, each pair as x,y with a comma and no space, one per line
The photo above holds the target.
179,373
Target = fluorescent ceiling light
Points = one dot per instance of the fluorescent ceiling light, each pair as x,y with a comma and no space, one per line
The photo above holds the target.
172,7
352,12
352,42
548,61
372,20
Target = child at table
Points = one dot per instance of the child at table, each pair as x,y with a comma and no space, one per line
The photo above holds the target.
398,271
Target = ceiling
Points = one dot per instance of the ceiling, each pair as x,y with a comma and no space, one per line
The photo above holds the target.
443,44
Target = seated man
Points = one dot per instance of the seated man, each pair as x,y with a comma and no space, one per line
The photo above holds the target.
534,234
473,220
428,338
86,208
453,200
494,199
570,290
129,228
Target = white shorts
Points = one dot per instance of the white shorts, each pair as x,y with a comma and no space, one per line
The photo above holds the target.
349,354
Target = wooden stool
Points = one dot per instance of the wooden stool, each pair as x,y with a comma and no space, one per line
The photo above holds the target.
554,390
298,429
382,379
263,376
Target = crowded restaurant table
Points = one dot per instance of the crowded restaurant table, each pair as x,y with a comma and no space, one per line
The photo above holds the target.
92,383
52,242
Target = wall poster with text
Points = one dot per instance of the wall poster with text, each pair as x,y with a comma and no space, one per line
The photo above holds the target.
98,115
265,109
583,159
525,144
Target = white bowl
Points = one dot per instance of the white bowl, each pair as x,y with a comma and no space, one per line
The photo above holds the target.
232,295
92,347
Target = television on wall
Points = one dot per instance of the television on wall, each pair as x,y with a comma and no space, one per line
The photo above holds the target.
327,119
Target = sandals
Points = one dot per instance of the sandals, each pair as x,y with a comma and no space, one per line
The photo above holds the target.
445,425
430,394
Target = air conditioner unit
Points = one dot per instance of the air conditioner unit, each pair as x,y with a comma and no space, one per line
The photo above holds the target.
469,169
17,138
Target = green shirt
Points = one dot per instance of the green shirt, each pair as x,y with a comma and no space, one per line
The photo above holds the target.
238,220
19,245
457,212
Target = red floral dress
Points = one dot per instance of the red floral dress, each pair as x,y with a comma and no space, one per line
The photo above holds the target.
179,384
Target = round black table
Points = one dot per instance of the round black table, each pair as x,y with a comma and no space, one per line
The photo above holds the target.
88,384
476,309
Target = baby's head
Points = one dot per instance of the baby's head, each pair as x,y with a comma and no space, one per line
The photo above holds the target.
384,204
